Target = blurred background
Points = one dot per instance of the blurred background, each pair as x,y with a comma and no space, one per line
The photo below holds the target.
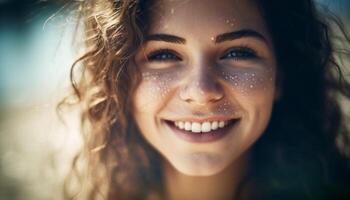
37,48
36,51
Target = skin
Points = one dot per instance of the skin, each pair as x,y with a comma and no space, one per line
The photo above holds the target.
199,79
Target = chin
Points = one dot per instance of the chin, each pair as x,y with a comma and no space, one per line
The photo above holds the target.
203,172
199,164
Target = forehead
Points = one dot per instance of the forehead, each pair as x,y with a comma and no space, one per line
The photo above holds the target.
211,17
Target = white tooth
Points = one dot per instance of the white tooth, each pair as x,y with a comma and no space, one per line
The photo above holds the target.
214,125
176,123
196,127
181,125
206,127
188,126
221,124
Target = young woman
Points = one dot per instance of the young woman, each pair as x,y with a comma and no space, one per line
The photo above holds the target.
202,99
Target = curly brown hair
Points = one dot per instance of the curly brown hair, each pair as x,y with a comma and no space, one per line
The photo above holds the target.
117,163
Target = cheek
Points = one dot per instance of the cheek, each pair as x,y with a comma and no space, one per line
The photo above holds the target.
250,82
254,90
153,91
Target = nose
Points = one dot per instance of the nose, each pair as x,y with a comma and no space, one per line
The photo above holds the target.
202,88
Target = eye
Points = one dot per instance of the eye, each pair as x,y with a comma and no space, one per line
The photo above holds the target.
163,55
240,53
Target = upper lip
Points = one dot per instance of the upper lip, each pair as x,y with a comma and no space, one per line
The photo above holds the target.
202,119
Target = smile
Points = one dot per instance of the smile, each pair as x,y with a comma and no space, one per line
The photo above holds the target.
203,131
197,127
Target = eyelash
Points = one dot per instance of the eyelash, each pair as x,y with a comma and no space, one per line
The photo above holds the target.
163,55
240,53
237,53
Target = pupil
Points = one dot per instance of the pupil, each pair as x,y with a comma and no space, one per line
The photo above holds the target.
165,56
239,54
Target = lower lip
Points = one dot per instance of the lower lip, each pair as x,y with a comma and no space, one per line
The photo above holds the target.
202,137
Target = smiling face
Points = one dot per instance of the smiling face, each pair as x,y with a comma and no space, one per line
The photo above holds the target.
208,82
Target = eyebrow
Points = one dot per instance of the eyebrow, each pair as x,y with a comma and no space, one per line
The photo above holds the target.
239,34
219,39
165,38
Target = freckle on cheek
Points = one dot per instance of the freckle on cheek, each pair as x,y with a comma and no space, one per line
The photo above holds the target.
153,87
248,82
227,108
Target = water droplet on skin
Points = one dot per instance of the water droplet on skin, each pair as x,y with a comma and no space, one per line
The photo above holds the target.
172,11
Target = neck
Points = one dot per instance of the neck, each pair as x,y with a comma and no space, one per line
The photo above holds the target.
220,186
